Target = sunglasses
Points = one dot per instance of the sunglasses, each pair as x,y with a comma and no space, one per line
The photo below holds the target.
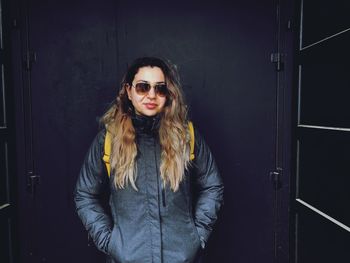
142,88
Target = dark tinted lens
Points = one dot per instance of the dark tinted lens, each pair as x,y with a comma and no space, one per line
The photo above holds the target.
161,89
142,88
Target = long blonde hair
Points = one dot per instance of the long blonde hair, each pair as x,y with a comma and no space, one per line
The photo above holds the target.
173,129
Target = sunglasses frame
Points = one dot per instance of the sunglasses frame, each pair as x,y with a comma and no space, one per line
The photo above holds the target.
155,86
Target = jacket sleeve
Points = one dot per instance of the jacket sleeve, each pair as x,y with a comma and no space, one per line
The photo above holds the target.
209,186
90,192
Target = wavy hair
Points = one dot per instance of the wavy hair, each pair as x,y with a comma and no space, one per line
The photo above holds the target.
173,129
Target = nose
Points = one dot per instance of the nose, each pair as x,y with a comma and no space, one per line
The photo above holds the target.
152,93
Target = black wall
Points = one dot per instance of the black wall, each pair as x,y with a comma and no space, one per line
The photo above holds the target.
222,50
321,214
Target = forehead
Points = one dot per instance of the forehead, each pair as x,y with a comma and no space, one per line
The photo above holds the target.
150,74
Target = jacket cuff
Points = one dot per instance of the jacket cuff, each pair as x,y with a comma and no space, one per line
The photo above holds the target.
203,235
203,243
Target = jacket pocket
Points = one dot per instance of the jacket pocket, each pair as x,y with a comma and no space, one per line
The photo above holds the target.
195,231
114,246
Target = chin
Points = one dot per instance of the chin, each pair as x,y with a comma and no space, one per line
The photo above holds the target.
149,114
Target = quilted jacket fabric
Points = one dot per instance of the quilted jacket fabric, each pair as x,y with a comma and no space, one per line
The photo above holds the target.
153,224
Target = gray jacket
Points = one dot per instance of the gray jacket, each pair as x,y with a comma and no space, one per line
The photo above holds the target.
153,224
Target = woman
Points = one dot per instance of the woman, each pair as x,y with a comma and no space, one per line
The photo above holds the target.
162,203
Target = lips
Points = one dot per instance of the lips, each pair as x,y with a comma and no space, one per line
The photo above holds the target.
150,106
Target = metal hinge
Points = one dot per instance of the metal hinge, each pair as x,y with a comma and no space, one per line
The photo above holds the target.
275,177
33,182
29,60
277,58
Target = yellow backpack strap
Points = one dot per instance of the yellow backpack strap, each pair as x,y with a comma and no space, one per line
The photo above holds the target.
191,129
107,151
108,144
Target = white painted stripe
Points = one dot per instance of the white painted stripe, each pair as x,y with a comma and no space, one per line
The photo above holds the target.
297,172
299,94
4,206
324,39
324,215
301,25
4,124
323,127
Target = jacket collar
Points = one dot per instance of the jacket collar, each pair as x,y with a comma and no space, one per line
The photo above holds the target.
145,124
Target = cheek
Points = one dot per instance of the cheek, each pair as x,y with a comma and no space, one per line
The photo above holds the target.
136,99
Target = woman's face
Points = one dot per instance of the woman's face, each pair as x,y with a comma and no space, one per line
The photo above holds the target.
150,103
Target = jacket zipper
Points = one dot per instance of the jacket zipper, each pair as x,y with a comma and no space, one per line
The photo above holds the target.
162,185
163,195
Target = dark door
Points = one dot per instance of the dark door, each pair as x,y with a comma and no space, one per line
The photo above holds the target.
8,222
322,218
65,63
76,53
